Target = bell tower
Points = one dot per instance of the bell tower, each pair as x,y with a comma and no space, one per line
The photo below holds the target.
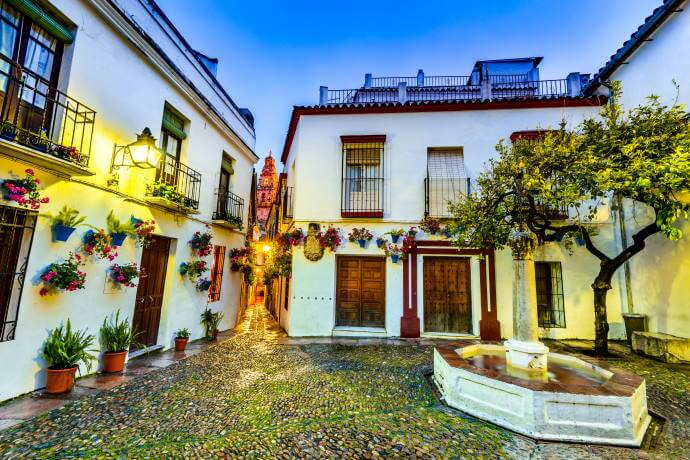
267,189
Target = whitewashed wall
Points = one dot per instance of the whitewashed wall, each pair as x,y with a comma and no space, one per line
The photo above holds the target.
128,92
314,161
661,273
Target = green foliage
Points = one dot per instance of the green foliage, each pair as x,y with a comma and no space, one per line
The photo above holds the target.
65,348
117,335
69,217
169,192
116,226
210,320
183,334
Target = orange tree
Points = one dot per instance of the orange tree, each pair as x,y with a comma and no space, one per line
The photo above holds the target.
640,155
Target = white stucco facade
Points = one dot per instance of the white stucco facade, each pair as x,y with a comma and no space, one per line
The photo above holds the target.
127,80
314,166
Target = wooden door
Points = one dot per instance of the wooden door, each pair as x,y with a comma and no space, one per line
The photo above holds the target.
149,301
447,300
361,291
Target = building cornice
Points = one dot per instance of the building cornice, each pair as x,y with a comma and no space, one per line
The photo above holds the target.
441,106
138,38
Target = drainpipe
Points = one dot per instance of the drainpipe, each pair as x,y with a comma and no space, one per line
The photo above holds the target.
623,233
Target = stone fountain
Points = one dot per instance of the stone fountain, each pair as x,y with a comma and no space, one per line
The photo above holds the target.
522,386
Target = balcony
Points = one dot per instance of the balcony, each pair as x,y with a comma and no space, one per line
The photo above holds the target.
440,193
451,88
287,205
362,197
177,187
229,210
41,125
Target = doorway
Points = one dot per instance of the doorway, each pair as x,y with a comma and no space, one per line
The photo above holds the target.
447,295
361,291
149,300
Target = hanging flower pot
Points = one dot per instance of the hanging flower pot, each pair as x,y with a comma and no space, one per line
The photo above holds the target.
60,380
361,235
559,238
395,239
62,232
118,238
580,240
395,258
362,243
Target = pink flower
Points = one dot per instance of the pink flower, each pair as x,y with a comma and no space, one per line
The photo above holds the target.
43,292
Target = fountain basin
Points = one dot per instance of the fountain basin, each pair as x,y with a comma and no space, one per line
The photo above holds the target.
575,400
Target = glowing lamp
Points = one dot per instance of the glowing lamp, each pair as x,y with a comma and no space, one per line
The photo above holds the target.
142,153
266,248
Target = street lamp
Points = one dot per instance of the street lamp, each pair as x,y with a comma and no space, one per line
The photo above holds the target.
266,248
142,153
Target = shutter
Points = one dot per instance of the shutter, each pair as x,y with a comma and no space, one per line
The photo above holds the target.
174,124
43,19
446,164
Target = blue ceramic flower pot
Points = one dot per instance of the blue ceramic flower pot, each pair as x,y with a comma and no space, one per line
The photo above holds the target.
394,258
62,232
118,238
580,241
395,239
362,243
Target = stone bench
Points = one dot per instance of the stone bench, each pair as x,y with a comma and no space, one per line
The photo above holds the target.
664,347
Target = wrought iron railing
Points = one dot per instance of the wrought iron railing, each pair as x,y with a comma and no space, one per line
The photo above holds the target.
229,207
177,183
439,194
41,117
287,204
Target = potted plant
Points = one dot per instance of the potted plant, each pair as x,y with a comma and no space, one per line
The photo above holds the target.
181,339
210,320
64,350
168,192
396,234
193,269
394,251
116,338
8,131
64,276
240,257
203,284
430,225
293,238
142,230
70,154
117,229
124,275
381,243
330,238
24,191
201,243
361,236
100,244
65,223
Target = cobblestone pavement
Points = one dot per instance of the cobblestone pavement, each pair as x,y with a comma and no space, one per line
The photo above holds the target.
258,395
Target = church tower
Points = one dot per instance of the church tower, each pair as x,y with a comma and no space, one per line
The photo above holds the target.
267,189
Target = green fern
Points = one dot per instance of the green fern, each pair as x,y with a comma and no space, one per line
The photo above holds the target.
116,226
116,335
69,217
65,348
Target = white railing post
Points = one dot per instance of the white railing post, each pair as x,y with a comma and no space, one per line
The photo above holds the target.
323,95
368,80
574,83
402,92
420,77
486,89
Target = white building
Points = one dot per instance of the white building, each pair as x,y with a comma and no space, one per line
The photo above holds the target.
649,63
93,74
386,154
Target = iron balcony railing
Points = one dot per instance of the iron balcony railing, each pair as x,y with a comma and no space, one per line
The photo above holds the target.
229,207
177,183
439,194
287,204
447,88
39,116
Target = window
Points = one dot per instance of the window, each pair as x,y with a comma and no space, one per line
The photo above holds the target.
550,308
446,179
172,135
16,234
216,273
363,176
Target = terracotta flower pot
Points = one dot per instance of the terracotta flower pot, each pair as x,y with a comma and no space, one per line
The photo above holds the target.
180,343
114,361
60,380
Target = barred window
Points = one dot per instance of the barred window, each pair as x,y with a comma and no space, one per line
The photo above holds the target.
216,273
363,176
17,227
550,306
446,179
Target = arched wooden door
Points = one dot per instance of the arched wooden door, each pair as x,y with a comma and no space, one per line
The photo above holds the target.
149,301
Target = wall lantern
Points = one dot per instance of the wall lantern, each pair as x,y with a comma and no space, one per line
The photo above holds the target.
142,153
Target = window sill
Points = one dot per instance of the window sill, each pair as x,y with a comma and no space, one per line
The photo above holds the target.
42,160
167,204
226,224
362,214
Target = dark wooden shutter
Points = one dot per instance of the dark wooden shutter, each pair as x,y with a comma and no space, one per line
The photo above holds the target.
216,273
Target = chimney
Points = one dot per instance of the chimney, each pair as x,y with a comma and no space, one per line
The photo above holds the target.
211,64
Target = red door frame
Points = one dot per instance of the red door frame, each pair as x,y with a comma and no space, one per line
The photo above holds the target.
489,326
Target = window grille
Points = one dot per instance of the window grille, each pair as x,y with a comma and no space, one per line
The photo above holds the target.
550,305
446,180
17,227
363,178
216,273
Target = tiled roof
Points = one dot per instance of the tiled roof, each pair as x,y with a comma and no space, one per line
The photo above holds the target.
651,23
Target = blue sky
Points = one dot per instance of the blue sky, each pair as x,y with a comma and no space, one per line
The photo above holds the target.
274,55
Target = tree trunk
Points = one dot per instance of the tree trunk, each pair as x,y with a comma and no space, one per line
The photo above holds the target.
601,325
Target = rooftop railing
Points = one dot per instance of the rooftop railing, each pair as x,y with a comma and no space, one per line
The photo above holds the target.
41,117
